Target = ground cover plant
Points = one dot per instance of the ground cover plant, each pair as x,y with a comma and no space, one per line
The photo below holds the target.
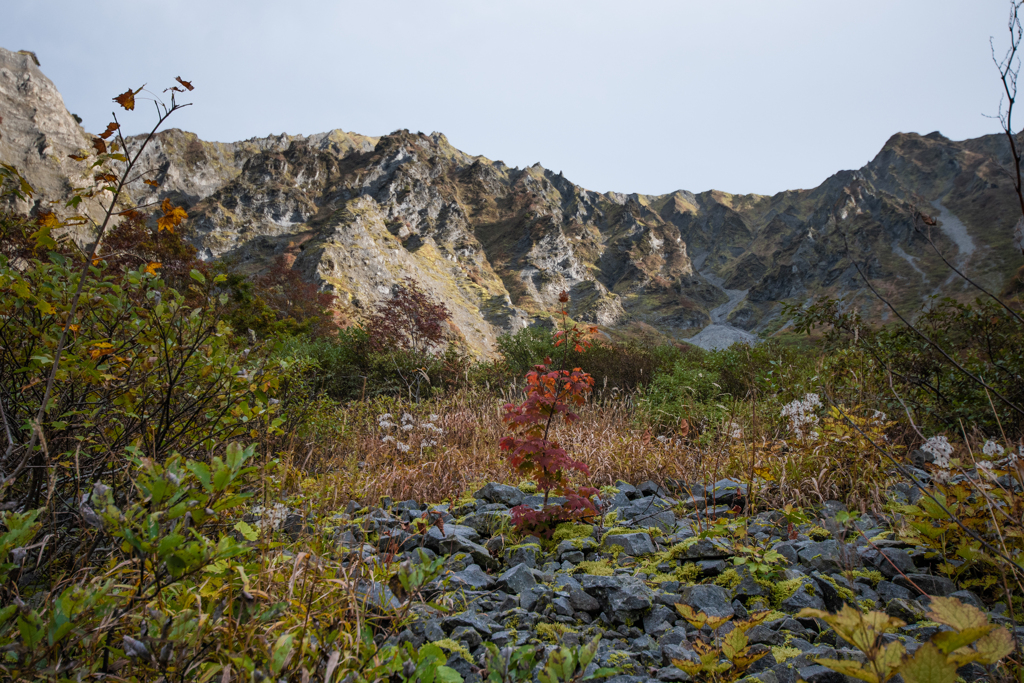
183,499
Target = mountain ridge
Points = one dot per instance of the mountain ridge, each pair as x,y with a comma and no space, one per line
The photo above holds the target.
356,214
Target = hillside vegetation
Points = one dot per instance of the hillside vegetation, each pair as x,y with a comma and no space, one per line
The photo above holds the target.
210,475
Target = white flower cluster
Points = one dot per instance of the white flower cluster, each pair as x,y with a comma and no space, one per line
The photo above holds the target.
270,519
940,448
992,448
404,431
801,415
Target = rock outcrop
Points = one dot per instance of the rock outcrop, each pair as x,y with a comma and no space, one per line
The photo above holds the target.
357,214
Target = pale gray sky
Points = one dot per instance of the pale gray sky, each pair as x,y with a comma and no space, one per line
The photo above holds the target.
738,95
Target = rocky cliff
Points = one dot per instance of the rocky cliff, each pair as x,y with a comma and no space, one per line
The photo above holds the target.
497,244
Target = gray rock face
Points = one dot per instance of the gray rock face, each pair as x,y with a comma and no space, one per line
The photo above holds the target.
517,579
472,577
931,585
37,136
712,600
830,557
633,544
500,493
891,561
806,595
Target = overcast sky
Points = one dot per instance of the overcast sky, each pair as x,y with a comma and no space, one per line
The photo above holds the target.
738,95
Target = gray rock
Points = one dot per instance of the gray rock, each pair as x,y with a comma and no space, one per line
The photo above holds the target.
706,549
888,591
909,611
884,559
471,577
712,600
672,674
524,553
630,599
728,492
534,599
467,636
830,557
377,596
788,550
585,545
650,488
563,606
578,598
428,629
473,620
632,544
642,510
820,674
659,620
968,598
805,596
500,493
763,634
931,585
517,579
488,522
674,636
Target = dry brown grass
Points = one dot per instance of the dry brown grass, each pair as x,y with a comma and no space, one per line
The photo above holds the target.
341,457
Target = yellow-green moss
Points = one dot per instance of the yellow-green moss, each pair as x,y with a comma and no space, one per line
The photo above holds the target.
528,487
844,593
455,648
622,661
616,531
569,531
678,551
553,633
872,575
866,605
818,533
595,568
783,653
784,591
686,574
728,579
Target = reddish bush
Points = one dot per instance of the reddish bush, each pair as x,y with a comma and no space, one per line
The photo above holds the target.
551,394
410,320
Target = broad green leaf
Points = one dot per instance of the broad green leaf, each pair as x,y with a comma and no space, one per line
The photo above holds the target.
960,616
446,674
281,653
928,665
948,641
247,531
994,646
849,667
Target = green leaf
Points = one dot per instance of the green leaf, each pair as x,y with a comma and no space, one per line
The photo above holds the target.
446,674
247,531
281,653
928,665
197,276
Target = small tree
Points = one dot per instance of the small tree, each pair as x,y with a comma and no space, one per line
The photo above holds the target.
531,451
410,320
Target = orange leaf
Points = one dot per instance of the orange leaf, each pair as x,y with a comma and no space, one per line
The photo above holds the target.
106,177
173,215
127,98
111,127
151,183
101,147
187,84
77,157
151,268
